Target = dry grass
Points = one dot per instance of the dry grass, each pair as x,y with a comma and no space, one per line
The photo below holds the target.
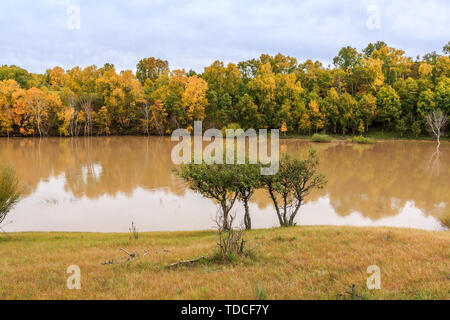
290,263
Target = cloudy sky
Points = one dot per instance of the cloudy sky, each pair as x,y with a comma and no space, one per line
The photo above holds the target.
39,34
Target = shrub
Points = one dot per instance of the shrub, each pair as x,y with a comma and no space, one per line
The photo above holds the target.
361,140
231,126
9,191
216,181
321,138
231,243
292,184
416,129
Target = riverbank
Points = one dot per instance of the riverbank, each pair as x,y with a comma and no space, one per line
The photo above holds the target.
375,135
288,263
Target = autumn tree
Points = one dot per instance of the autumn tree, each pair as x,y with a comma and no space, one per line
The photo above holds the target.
194,98
376,87
151,68
388,105
10,91
425,103
366,109
223,90
262,88
40,105
19,75
442,95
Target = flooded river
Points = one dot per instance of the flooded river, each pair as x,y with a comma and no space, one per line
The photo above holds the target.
104,184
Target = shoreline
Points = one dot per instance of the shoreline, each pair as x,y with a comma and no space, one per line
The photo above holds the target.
214,231
340,138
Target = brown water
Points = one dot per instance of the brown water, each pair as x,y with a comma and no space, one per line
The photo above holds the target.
103,184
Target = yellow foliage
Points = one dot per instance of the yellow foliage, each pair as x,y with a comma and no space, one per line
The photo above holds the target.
425,70
194,98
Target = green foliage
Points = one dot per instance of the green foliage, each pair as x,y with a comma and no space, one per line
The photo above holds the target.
151,68
442,95
21,76
260,292
289,187
248,180
217,182
9,191
401,126
361,140
388,104
426,103
416,129
231,126
321,138
225,184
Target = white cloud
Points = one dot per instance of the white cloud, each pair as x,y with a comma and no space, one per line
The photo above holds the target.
192,34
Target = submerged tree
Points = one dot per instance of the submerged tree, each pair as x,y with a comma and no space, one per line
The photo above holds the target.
437,121
9,191
292,184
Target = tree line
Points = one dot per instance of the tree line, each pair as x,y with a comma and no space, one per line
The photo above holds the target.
379,87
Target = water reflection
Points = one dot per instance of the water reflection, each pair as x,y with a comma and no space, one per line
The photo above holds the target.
102,184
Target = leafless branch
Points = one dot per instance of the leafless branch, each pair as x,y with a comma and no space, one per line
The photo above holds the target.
185,262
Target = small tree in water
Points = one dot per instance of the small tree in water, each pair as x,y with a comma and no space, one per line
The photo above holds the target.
9,191
292,184
216,182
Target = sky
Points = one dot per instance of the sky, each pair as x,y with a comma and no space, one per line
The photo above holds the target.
40,34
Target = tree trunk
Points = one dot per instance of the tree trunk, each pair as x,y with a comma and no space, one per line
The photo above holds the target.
294,214
247,218
285,219
277,209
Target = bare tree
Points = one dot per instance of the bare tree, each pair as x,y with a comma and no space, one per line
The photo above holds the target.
72,102
86,105
38,107
146,109
437,120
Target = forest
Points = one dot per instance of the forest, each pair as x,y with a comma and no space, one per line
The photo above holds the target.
378,88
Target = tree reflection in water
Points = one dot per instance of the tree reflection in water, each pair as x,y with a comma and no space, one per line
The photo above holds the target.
377,181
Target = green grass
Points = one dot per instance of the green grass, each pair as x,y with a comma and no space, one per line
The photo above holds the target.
373,133
321,138
288,263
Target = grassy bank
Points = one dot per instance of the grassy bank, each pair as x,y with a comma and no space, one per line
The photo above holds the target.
290,263
375,134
